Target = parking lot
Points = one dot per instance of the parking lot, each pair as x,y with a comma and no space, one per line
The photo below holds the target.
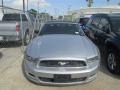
59,51
11,76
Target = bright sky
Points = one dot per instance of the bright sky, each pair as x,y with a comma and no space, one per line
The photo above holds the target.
57,6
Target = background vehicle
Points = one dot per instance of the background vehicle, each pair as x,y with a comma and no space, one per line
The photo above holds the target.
61,55
16,27
105,29
82,20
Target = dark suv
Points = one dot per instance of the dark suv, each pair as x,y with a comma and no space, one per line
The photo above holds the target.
105,29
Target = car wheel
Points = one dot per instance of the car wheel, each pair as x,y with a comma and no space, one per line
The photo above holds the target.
27,38
112,62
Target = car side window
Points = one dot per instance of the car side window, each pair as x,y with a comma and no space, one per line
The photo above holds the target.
95,22
104,25
88,25
89,22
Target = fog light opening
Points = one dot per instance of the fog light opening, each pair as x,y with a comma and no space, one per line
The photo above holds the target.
31,75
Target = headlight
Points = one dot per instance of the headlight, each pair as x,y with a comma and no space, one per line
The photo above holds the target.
93,59
33,60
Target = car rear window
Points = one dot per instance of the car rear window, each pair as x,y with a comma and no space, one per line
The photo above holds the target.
61,28
14,17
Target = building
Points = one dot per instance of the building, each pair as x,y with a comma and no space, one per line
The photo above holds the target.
93,10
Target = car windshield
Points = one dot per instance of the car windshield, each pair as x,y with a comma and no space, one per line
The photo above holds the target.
116,24
61,28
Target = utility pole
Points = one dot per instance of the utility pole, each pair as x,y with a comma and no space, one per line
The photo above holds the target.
27,5
3,6
90,3
69,8
23,5
38,6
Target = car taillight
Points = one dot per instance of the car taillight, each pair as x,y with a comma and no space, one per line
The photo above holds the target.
17,28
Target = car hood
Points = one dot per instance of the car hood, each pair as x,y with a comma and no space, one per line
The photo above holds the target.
61,46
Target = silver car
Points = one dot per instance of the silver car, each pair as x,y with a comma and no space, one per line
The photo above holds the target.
61,55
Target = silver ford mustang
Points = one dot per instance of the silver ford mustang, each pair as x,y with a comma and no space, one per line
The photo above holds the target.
61,55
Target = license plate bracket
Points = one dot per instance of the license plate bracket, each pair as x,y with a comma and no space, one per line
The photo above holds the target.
61,78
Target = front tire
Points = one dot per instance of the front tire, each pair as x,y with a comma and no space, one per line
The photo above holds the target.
113,63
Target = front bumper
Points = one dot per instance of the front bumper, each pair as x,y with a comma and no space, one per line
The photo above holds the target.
47,77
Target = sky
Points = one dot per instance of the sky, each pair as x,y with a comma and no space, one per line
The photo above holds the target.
57,6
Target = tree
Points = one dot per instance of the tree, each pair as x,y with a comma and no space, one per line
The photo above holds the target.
119,3
33,11
90,2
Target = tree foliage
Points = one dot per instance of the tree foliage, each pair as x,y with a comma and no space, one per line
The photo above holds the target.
33,11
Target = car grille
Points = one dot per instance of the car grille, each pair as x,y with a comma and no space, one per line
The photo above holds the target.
52,80
58,63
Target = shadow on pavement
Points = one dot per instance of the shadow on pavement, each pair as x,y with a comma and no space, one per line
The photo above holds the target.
9,44
1,55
